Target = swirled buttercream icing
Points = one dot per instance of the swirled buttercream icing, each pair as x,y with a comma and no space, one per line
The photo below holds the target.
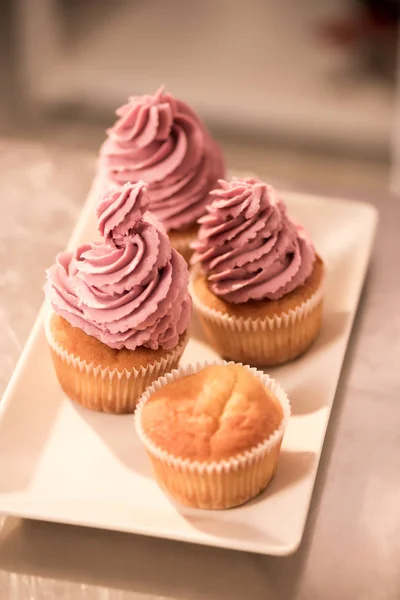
248,246
129,290
162,141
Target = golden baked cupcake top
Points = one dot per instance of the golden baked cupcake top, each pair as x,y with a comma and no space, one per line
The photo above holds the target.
259,309
215,414
76,342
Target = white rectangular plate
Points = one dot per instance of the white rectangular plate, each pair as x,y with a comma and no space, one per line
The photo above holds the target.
60,462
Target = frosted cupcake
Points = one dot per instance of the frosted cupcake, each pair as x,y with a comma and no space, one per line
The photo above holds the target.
120,308
162,140
213,434
258,290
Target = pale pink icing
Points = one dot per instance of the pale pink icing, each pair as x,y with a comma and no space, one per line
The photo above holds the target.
161,140
131,289
248,246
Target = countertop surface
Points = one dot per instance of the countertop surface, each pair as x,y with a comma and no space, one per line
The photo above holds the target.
351,548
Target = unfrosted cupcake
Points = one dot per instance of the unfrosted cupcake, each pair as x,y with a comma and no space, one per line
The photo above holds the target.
162,140
258,290
120,307
213,434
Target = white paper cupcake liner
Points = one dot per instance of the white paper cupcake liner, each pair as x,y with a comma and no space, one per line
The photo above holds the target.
103,389
218,484
266,341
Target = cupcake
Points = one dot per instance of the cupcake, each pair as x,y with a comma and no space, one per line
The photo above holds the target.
161,140
258,284
213,434
120,307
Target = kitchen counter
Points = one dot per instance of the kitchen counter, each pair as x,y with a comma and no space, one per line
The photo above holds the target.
351,547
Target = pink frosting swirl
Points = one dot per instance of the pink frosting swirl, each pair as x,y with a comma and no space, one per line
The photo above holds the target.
131,289
120,211
161,140
248,246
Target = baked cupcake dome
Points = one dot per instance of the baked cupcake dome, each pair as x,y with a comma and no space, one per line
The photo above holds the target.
213,433
121,306
161,140
258,288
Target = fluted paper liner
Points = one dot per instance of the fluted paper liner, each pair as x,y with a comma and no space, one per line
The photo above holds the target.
218,484
261,342
103,389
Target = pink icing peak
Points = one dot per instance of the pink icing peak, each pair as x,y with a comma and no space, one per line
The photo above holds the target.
144,118
161,140
120,211
248,246
129,290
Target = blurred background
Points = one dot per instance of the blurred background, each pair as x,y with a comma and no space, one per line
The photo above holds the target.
300,91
